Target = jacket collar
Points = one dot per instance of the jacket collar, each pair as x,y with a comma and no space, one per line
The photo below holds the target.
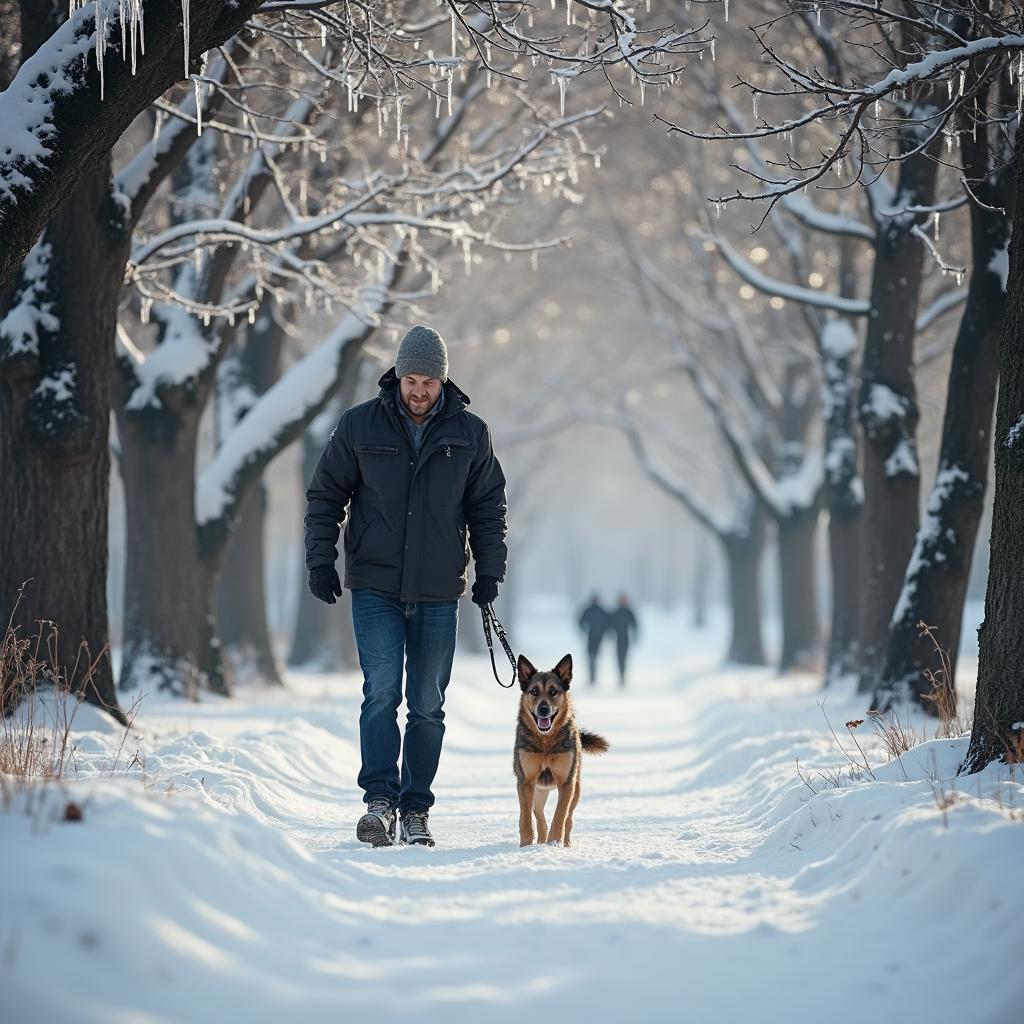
455,399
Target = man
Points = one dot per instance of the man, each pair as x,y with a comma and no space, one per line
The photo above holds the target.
594,623
418,476
623,623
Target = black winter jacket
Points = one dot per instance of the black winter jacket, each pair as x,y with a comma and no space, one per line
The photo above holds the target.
407,517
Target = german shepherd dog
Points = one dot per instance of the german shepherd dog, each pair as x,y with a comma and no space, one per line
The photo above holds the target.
547,751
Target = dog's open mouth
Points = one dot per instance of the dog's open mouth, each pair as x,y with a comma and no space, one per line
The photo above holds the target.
544,724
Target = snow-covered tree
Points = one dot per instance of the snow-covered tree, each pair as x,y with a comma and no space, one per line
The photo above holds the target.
391,221
920,78
82,83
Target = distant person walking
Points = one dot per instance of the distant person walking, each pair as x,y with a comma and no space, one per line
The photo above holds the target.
595,624
623,622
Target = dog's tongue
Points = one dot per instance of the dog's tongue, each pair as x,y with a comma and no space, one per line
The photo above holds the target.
544,724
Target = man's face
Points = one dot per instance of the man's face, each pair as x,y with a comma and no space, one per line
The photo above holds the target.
419,392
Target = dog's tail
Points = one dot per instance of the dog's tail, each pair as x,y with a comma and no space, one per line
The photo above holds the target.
592,742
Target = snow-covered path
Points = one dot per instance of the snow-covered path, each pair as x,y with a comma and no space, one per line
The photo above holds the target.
706,883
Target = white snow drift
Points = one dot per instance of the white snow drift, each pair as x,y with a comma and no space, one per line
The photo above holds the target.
215,874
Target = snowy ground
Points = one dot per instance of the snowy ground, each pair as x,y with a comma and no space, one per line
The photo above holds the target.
218,877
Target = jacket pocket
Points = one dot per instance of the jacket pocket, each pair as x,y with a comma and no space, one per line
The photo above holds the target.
376,449
450,445
354,537
383,473
448,470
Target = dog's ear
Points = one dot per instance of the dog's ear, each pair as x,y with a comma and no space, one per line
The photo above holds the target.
525,670
564,670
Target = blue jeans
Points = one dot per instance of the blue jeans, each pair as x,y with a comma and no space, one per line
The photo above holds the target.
422,634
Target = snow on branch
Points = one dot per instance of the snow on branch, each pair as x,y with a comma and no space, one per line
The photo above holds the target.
222,229
27,105
283,411
69,103
783,495
793,293
183,356
139,178
817,219
31,311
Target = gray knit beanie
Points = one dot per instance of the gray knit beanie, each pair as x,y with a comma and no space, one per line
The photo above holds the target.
422,351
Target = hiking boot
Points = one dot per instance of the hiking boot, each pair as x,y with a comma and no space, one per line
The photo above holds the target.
377,825
414,829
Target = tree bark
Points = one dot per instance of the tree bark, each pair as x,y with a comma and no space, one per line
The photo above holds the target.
844,490
797,530
845,545
998,730
240,599
889,414
164,590
55,401
55,382
801,629
744,550
935,584
54,435
699,584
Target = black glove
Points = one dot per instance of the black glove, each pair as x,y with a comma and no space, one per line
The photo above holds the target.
485,590
324,584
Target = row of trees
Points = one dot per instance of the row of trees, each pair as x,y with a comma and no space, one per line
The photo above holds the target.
322,158
185,198
871,124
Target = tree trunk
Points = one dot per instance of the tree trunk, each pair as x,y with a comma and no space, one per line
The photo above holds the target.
801,629
999,699
55,379
214,669
54,431
845,546
323,640
700,580
240,599
240,596
935,585
165,603
743,551
797,530
889,415
844,489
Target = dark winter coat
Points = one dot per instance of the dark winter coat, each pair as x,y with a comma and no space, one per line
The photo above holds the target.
623,623
407,516
595,623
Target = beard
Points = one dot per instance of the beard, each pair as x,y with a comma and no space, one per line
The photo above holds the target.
423,408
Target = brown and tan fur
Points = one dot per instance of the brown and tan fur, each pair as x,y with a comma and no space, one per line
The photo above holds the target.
543,761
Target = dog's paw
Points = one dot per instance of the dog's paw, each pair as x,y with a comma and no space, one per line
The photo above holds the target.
525,842
554,842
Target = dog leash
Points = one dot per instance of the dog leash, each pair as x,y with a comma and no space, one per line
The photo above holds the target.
487,612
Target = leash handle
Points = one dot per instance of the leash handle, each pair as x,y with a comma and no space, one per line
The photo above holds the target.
487,613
